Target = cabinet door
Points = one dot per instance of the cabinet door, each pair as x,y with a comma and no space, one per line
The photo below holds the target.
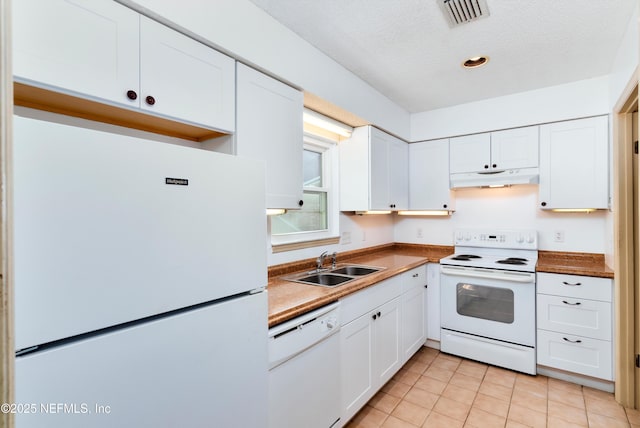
574,157
185,79
379,191
386,354
399,174
413,312
269,127
356,351
429,175
433,301
515,148
470,153
389,179
88,48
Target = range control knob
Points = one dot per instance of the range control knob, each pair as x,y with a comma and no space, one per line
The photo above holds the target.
531,239
520,239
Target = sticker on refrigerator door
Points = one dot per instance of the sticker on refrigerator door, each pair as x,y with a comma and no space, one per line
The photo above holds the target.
176,181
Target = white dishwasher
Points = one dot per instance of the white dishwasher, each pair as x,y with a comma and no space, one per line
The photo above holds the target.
304,371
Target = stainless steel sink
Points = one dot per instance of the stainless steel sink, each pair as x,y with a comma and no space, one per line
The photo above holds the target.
333,277
355,270
326,279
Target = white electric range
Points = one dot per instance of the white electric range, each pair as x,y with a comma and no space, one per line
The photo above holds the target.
488,297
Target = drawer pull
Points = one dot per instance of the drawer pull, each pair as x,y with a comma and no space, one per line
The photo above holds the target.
572,341
577,284
572,304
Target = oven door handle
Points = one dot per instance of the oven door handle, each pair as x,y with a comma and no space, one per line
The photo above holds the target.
523,277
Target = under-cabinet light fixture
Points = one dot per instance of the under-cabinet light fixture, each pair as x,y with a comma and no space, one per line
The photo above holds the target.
371,212
326,123
573,210
426,213
276,211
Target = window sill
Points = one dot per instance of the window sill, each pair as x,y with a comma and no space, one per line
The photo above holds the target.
291,246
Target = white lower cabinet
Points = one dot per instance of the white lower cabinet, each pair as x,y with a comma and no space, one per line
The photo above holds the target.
413,311
433,302
382,327
370,355
575,324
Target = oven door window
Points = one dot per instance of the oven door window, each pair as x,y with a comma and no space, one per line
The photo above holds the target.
482,301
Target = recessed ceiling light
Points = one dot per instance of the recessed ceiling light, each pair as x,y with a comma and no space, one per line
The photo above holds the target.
475,61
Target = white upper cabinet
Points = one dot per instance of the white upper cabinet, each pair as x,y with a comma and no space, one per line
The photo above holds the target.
429,176
184,79
495,151
373,171
574,158
470,153
514,148
106,52
269,127
88,48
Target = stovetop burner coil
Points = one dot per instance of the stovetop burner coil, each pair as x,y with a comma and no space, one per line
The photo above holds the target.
465,257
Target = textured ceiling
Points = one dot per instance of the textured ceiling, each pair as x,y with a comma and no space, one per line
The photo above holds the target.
407,51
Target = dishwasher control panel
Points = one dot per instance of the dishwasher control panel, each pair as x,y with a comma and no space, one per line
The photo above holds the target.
288,339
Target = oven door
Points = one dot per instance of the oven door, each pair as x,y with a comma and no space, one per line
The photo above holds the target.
490,303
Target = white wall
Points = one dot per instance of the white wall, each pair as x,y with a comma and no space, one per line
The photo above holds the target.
365,231
508,208
246,32
569,101
626,60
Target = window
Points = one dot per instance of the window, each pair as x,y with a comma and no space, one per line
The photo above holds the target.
317,219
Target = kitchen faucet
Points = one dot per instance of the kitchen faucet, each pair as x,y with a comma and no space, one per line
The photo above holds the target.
334,259
320,261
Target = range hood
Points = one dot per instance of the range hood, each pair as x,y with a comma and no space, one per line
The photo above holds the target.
495,178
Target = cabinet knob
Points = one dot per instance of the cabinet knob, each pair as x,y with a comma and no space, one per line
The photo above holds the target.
378,314
444,206
544,204
300,203
374,316
495,165
415,275
486,167
150,100
392,205
132,95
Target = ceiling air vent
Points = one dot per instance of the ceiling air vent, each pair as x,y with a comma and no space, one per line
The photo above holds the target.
459,12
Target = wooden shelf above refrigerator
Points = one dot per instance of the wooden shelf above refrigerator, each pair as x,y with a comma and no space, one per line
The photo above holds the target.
56,102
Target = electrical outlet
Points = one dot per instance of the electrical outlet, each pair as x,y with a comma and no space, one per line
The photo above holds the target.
419,233
558,236
345,238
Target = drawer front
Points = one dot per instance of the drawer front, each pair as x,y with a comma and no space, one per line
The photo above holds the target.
582,287
357,304
577,354
415,278
589,318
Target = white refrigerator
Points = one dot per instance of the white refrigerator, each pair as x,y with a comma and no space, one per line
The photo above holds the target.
140,274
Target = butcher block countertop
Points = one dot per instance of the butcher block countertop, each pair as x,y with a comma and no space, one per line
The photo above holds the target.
288,299
587,264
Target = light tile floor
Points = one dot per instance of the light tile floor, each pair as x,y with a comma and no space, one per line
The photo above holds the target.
439,390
